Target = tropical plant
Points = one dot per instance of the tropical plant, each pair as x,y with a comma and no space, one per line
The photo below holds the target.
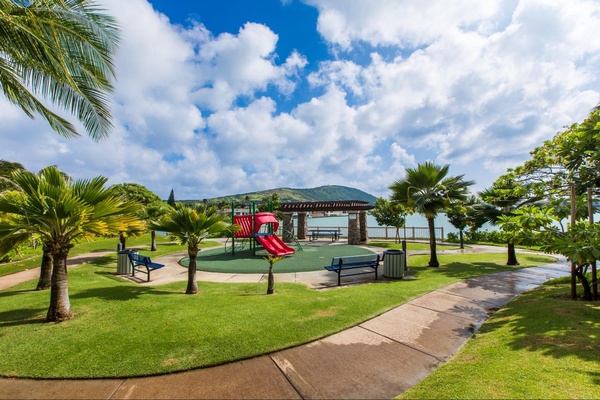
61,51
271,279
6,170
154,212
60,212
388,214
428,190
190,225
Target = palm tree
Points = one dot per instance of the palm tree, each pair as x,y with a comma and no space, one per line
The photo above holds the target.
60,51
60,212
154,211
428,191
190,225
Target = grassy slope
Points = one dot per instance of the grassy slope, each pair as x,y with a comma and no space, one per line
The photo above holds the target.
154,330
540,345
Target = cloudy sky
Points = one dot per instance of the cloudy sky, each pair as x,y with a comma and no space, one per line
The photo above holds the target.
222,97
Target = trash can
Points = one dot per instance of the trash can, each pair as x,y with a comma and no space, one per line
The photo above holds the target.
123,263
393,263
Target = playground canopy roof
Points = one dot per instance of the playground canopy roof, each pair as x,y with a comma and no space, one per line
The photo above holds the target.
307,206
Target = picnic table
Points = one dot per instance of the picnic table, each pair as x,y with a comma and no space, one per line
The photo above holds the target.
333,233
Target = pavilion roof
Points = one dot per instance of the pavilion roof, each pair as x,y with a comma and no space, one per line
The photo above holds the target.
307,206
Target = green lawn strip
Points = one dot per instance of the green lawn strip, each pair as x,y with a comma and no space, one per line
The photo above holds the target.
122,329
142,243
412,246
541,345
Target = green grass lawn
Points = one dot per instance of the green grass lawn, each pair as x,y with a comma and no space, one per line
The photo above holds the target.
122,329
164,246
412,246
541,345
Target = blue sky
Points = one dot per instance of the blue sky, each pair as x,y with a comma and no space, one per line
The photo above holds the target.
221,97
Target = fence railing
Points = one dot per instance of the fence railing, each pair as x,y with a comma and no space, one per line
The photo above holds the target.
389,232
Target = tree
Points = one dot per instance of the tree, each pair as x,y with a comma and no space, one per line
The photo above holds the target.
135,192
61,51
61,212
190,225
388,214
153,212
271,279
6,170
428,191
171,199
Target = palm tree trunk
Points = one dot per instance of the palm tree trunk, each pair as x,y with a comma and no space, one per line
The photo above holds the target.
462,242
192,286
45,281
512,254
60,305
271,280
123,240
433,260
153,245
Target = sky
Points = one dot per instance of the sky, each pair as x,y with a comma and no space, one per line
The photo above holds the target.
214,98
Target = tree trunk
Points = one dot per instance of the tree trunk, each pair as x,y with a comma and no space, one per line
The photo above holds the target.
587,290
192,286
123,240
271,284
153,244
60,305
462,243
433,260
512,255
45,281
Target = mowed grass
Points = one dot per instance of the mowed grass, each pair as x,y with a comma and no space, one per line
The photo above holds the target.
541,345
121,329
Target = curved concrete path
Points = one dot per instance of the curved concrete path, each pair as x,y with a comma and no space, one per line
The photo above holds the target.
379,358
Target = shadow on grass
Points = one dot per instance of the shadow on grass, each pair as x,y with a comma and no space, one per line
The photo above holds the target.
22,316
118,293
546,321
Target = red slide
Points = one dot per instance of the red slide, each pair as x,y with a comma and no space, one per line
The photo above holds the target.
274,245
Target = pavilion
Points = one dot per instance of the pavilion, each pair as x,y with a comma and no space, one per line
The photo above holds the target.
357,217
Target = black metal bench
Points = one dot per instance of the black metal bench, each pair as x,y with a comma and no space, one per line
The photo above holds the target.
142,264
339,264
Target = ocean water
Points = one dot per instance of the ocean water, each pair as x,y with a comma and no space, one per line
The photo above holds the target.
415,220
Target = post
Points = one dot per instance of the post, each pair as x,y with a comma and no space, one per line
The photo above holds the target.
288,227
364,232
302,225
353,229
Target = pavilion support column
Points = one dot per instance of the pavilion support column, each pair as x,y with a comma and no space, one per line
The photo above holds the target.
288,227
353,228
364,231
302,226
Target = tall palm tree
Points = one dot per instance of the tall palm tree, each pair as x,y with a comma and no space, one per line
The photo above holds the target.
428,191
154,211
60,212
59,51
190,225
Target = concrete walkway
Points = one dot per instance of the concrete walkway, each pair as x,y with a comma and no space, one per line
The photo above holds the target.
379,358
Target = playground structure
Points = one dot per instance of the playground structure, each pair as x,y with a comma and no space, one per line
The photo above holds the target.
257,228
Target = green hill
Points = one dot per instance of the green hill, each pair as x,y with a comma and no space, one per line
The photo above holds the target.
321,193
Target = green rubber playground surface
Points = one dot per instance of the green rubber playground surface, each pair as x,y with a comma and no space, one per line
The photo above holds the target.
311,258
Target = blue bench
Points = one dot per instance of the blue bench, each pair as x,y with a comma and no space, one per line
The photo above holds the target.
365,261
142,264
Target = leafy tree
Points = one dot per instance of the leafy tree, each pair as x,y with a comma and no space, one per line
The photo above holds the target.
6,170
190,225
171,199
61,212
61,50
428,190
388,214
135,192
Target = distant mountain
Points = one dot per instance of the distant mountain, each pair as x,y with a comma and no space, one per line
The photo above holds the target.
321,193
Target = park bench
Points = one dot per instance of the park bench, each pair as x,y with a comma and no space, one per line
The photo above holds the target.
334,233
142,264
362,262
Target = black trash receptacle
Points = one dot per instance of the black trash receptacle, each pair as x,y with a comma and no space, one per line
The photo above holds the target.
394,263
